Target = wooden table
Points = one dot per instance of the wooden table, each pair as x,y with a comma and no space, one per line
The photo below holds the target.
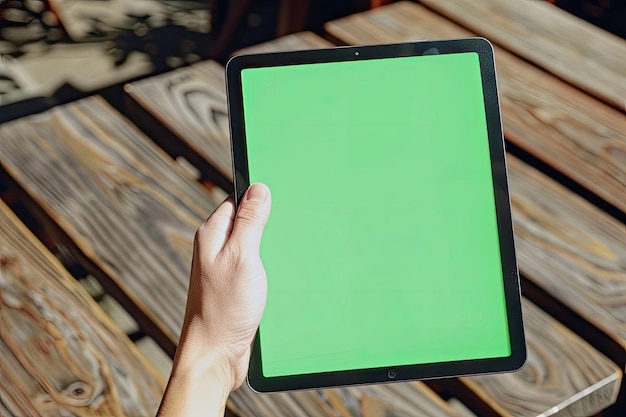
127,211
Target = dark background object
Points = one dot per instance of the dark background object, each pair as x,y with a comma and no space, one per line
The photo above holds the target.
236,24
607,14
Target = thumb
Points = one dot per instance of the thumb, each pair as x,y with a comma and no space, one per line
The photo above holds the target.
251,218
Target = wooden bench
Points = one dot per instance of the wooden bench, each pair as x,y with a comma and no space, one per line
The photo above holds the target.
61,355
128,214
541,114
185,110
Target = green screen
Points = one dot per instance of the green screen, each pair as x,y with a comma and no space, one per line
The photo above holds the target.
382,246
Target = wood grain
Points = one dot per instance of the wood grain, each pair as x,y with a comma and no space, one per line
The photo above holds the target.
408,399
550,37
564,127
61,355
191,102
563,375
571,249
293,42
15,83
128,208
461,408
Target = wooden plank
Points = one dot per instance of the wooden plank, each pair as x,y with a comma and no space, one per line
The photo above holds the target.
293,42
59,66
129,212
61,355
567,129
82,18
15,82
191,102
572,250
461,408
409,399
563,374
550,37
570,131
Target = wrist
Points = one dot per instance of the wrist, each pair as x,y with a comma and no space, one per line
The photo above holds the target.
203,364
200,358
198,386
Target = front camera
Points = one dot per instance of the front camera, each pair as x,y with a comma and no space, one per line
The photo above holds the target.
356,53
391,374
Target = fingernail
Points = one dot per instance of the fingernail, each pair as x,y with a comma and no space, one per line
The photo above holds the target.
257,192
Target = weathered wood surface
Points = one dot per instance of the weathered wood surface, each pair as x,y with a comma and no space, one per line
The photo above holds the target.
410,399
569,130
127,208
61,355
557,379
550,37
191,102
564,127
15,82
461,408
82,18
571,249
293,42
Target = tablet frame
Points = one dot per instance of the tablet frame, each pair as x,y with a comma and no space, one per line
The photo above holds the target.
510,274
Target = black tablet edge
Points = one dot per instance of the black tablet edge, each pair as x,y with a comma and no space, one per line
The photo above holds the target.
499,173
511,281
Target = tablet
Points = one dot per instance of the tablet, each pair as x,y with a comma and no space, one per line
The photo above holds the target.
389,249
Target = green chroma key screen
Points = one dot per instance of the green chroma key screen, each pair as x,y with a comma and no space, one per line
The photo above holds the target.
382,247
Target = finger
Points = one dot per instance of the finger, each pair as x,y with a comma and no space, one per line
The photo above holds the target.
250,219
214,232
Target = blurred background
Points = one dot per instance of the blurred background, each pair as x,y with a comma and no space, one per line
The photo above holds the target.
63,49
55,51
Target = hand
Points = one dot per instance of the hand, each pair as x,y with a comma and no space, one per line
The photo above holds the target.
228,284
226,299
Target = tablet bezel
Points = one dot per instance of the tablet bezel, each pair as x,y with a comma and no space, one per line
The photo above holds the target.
483,48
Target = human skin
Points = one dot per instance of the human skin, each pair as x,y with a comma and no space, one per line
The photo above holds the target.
226,299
